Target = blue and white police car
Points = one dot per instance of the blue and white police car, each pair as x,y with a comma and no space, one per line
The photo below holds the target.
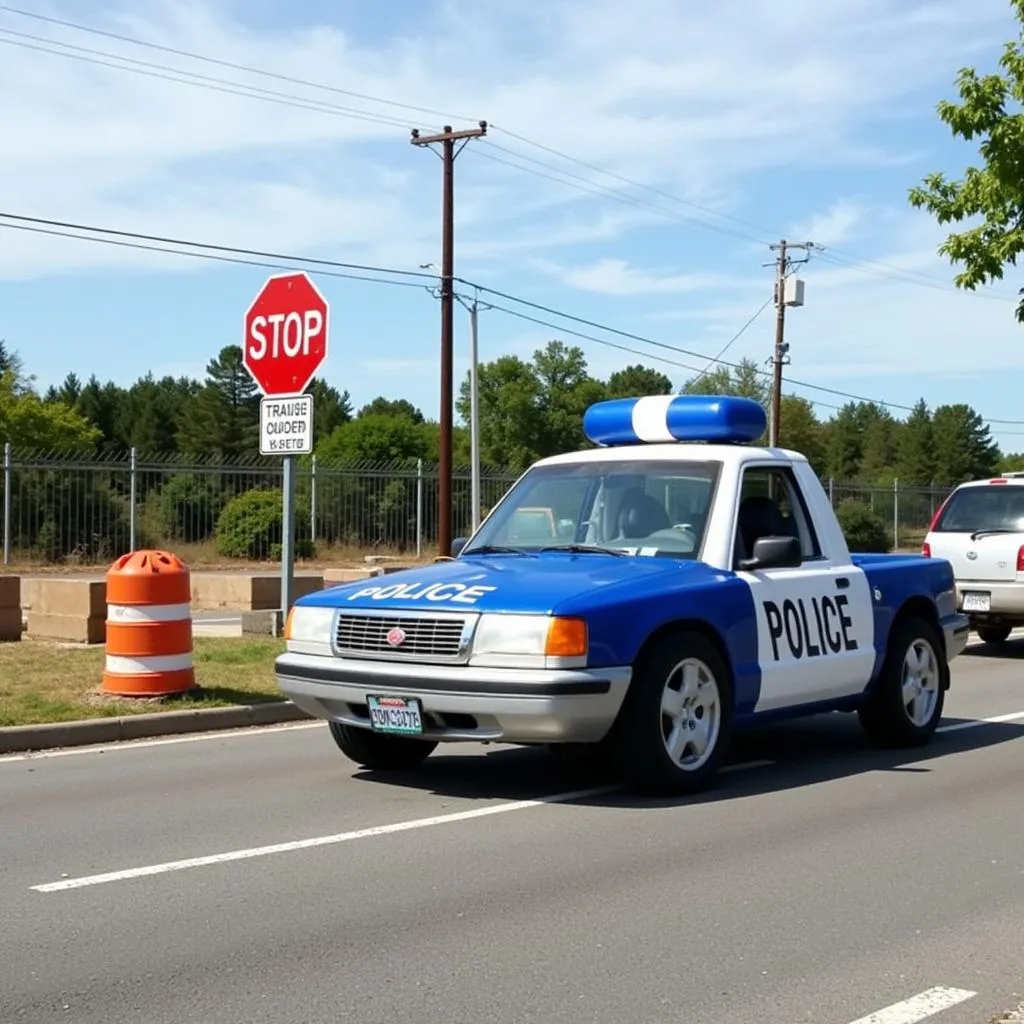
650,596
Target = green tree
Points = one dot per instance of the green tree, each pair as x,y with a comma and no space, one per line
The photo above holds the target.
636,381
988,111
29,422
801,431
151,411
382,406
511,431
566,392
222,418
331,409
879,444
915,462
746,379
964,448
374,437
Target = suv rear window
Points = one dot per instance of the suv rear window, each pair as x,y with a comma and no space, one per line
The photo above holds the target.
991,507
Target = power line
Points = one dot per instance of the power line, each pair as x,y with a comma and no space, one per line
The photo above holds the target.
854,261
229,64
169,74
374,273
48,222
235,260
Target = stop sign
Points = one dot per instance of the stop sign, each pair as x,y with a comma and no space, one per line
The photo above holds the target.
285,334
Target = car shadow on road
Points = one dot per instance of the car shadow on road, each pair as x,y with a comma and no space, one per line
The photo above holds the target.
801,753
1012,650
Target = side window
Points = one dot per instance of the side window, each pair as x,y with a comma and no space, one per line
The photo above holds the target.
771,504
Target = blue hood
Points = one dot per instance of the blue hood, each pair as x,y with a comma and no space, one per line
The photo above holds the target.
514,583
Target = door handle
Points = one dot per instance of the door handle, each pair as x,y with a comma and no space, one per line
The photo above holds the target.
842,582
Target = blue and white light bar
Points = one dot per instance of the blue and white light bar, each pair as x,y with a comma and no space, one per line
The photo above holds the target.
660,419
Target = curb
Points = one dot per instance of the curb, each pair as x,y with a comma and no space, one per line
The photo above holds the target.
18,739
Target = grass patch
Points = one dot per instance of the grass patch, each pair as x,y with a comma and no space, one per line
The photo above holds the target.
46,681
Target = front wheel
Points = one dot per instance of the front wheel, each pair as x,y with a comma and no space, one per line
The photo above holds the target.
377,752
675,724
905,707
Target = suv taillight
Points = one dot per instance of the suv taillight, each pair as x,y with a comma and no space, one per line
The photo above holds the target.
1020,558
938,512
926,550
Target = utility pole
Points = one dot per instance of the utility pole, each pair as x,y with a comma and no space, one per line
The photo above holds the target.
447,139
782,265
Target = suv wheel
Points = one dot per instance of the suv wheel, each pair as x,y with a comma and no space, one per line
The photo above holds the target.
994,634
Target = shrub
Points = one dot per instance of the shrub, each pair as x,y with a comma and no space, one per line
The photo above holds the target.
864,529
189,506
250,527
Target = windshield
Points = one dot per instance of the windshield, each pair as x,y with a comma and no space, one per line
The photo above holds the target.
992,507
637,507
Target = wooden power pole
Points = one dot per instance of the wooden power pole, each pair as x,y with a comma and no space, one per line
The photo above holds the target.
782,265
447,140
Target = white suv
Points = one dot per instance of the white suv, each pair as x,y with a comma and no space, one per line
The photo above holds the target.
979,528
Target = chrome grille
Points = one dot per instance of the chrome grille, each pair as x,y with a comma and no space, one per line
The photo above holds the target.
426,637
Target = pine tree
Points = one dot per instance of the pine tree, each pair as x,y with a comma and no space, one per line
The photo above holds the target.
915,461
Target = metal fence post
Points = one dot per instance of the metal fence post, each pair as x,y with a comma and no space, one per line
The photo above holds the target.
419,508
8,475
132,498
831,492
312,498
896,512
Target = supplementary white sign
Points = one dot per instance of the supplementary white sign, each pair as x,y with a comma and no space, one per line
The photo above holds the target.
286,425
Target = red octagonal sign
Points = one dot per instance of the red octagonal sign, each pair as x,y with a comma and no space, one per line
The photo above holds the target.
285,334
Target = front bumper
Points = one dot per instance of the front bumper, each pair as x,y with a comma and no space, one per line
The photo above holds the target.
461,702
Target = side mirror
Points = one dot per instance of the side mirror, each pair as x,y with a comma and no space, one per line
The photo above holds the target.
774,553
458,544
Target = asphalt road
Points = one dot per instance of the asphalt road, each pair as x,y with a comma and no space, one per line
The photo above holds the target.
259,878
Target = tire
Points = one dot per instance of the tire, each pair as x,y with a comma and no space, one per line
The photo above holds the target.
640,741
915,665
994,634
380,753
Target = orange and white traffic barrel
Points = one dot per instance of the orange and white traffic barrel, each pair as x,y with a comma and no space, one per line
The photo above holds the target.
149,626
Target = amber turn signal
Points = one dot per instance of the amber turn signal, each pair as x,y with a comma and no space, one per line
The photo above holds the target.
567,638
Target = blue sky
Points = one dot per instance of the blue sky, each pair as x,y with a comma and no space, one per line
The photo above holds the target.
808,121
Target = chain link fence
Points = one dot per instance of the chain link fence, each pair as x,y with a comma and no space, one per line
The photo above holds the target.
88,510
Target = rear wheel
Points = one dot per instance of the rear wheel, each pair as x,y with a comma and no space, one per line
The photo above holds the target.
676,722
906,706
377,752
994,634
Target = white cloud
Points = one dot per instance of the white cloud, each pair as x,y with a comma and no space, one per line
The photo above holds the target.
837,224
588,77
618,278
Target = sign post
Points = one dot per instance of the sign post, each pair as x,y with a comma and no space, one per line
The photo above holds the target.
286,331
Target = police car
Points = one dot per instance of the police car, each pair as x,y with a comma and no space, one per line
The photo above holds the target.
650,597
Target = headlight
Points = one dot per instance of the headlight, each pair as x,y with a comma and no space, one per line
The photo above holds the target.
535,641
308,625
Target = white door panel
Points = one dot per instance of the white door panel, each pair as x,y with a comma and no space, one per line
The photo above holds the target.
815,633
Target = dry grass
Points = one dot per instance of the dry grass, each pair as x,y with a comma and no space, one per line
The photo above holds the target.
43,681
204,558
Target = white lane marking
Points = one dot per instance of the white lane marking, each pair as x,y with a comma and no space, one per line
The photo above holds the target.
975,722
343,837
917,1008
122,745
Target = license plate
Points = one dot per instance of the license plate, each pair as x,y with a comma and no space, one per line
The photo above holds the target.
977,602
396,714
